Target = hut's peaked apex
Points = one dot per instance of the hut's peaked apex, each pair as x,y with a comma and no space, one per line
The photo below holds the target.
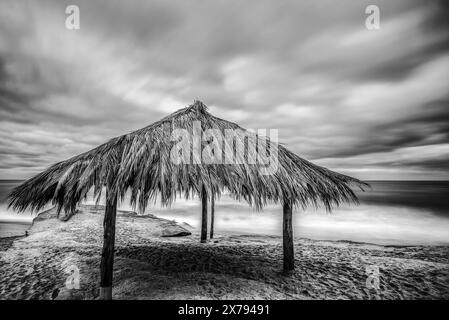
198,106
139,163
198,110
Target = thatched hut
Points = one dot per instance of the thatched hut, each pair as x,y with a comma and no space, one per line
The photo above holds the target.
141,162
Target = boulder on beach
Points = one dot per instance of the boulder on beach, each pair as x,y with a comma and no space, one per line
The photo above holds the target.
147,223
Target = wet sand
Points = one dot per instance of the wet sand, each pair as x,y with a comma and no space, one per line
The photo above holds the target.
150,265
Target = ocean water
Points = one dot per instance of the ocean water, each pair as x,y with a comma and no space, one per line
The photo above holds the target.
10,229
391,212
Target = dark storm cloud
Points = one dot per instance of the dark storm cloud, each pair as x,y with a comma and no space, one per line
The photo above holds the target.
401,67
429,127
439,19
352,99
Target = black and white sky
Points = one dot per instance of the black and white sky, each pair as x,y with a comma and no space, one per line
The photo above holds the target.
372,104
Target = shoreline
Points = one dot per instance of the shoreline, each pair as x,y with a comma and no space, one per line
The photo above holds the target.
384,243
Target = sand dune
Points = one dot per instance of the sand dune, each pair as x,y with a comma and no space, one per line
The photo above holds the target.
150,266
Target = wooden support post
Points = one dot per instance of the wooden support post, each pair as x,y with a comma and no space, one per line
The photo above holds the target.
212,216
203,214
289,259
107,256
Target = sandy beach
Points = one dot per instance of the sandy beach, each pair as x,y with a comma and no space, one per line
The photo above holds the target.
160,259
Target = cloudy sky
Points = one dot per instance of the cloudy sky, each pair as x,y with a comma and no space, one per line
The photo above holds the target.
373,104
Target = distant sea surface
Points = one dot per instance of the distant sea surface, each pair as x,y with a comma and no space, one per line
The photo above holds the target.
11,224
391,212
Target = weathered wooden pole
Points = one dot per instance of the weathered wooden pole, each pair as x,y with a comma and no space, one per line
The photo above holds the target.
287,234
203,214
107,256
212,214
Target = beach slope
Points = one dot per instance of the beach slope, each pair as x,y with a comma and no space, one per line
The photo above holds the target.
160,259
